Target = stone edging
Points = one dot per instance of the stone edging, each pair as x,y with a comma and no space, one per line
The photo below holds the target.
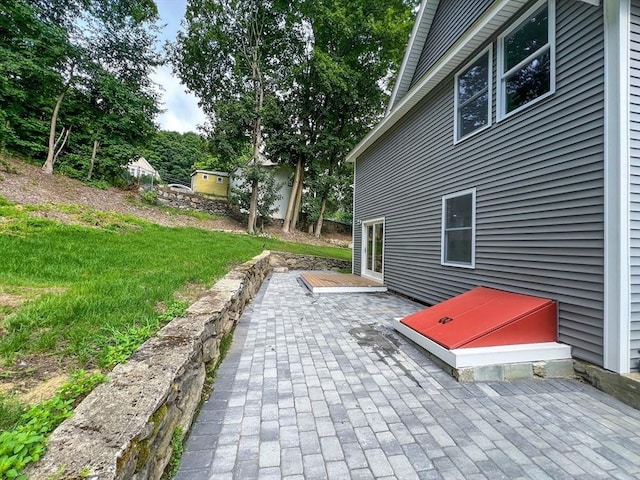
123,429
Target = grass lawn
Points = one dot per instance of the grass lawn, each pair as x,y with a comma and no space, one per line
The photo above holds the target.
88,295
87,287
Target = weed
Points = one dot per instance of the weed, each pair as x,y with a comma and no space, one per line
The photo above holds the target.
177,445
26,442
177,308
99,184
149,197
4,202
7,167
124,343
11,411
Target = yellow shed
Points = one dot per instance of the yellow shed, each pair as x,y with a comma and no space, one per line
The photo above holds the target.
210,183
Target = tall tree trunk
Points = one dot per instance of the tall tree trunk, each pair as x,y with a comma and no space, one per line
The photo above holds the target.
93,159
253,207
286,226
48,164
64,136
257,141
320,217
296,210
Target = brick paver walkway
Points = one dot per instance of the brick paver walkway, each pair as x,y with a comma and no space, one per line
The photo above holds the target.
319,386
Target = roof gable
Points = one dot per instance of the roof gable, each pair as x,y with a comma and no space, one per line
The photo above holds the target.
142,163
417,40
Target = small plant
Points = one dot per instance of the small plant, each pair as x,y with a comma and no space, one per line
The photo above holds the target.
177,444
10,412
26,442
176,308
124,343
150,197
7,167
99,184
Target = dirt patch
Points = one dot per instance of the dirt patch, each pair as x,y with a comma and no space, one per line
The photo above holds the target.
35,378
11,300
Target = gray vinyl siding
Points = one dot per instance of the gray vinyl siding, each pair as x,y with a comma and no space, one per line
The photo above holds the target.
539,181
451,20
634,85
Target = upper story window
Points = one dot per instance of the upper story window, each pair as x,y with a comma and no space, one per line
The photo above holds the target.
220,180
473,96
205,176
526,59
459,229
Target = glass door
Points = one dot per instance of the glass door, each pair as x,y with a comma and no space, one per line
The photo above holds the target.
373,249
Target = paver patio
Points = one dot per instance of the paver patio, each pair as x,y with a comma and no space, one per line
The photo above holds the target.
319,386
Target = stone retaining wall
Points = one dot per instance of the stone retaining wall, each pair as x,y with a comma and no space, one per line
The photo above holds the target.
123,429
195,201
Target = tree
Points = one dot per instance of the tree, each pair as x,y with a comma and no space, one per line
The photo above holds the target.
104,38
267,192
175,155
231,55
30,57
339,87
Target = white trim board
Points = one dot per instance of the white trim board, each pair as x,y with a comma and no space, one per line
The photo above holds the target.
617,295
313,289
418,38
482,356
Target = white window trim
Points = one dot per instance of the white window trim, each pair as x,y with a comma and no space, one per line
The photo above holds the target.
500,76
363,259
457,139
220,180
205,176
443,261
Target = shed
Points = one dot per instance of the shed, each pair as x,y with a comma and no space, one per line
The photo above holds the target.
210,183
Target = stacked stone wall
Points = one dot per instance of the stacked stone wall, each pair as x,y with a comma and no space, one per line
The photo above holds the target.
123,429
194,201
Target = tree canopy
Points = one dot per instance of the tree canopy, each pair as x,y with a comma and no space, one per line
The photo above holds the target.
76,81
324,70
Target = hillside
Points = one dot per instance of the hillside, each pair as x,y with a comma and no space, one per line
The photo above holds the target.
30,186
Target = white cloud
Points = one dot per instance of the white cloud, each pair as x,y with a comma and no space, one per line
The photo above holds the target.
182,113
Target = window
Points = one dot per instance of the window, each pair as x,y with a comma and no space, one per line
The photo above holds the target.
205,176
220,180
473,96
459,228
526,59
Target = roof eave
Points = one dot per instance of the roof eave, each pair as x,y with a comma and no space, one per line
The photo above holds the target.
418,38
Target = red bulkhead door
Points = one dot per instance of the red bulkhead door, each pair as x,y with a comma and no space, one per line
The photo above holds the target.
487,317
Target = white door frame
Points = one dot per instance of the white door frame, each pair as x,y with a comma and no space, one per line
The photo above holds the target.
378,276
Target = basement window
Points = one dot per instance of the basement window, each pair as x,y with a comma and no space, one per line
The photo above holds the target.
459,229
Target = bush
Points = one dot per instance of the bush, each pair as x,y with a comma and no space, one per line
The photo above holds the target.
149,197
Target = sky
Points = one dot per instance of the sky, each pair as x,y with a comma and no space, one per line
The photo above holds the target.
182,113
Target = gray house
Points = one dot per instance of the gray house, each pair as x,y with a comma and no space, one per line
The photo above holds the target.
509,157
